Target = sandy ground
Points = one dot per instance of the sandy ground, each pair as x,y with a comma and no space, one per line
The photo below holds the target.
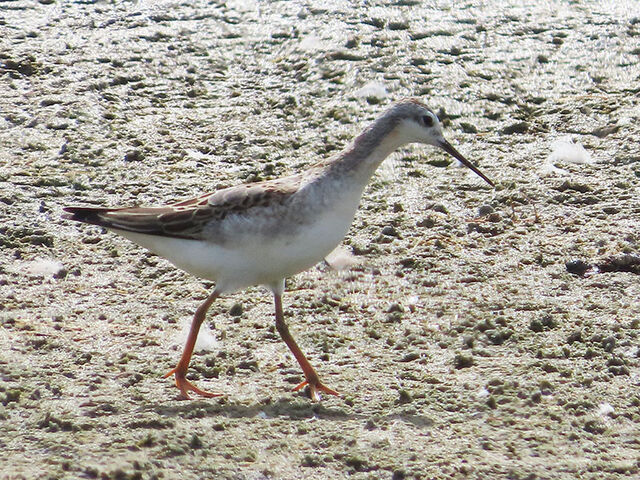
464,344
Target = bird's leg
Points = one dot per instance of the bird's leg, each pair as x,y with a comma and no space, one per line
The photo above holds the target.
180,371
310,374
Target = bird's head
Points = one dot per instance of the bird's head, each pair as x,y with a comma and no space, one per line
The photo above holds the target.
416,123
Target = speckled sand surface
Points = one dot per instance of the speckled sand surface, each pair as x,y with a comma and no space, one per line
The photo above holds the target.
462,343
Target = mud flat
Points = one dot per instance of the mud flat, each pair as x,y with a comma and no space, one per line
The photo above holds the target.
480,334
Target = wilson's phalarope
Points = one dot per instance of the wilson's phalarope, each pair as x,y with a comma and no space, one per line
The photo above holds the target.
261,233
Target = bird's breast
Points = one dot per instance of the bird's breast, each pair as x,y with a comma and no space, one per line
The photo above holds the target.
279,243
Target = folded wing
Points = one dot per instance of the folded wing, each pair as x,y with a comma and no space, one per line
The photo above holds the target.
187,218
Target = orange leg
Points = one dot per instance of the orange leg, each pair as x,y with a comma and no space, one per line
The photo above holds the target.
310,374
181,369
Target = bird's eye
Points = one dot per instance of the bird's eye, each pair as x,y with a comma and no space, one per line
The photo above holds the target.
427,120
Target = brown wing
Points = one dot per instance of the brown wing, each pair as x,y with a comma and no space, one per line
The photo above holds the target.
187,218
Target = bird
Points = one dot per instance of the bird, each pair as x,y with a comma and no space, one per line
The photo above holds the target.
264,232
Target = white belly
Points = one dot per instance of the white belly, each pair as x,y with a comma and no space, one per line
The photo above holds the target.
253,260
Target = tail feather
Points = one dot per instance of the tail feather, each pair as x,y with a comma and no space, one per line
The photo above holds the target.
142,220
149,220
90,215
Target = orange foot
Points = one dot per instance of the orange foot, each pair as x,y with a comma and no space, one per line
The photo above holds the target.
316,387
185,386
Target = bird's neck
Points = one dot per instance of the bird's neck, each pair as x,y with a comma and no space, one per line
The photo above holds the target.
360,159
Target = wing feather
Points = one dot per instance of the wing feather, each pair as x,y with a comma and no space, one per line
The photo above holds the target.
187,218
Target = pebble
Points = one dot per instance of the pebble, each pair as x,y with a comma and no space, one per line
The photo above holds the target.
133,156
577,267
519,127
390,231
485,210
463,360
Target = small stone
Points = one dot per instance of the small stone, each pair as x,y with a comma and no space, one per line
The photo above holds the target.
574,337
57,125
352,42
410,357
395,307
498,336
605,130
60,273
545,322
236,310
438,207
519,127
608,344
468,127
390,231
463,360
404,397
577,267
398,25
485,210
133,156
571,185
427,222
398,475
375,22
195,442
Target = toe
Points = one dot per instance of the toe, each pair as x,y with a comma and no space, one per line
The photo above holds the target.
315,389
185,386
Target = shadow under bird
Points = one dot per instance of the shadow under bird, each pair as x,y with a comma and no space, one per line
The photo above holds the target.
261,233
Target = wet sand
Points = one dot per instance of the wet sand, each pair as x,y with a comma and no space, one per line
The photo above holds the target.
480,334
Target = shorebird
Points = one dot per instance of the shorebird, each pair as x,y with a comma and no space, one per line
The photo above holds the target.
261,233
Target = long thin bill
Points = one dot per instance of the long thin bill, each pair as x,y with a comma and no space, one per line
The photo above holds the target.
447,147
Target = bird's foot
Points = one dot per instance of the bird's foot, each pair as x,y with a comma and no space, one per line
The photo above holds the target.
185,386
314,388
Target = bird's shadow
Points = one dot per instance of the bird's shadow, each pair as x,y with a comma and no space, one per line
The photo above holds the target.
283,409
